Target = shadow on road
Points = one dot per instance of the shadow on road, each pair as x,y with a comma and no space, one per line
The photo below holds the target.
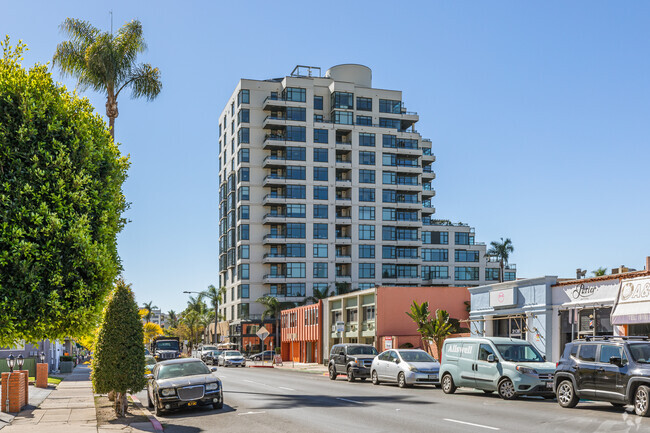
528,398
198,411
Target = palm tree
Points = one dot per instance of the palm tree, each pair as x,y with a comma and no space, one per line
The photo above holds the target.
501,251
107,63
273,309
599,272
192,321
318,295
420,315
216,298
173,318
196,304
440,328
148,306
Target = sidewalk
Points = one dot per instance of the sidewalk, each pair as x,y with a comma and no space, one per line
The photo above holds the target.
303,367
70,408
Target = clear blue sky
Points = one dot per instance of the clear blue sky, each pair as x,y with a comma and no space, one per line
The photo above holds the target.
538,112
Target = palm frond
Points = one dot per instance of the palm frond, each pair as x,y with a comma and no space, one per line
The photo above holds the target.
145,82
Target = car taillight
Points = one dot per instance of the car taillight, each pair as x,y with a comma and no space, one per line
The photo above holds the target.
557,363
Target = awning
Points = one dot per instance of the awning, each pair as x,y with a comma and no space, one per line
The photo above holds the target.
633,303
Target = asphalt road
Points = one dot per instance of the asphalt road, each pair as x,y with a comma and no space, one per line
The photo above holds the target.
273,400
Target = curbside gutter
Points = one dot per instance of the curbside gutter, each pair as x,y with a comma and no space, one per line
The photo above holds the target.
152,419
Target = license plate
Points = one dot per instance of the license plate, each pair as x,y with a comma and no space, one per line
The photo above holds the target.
549,385
433,377
191,403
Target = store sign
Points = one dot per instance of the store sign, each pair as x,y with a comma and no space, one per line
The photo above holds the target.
633,305
503,298
602,291
388,343
635,290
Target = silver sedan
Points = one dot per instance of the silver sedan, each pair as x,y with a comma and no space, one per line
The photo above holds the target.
407,367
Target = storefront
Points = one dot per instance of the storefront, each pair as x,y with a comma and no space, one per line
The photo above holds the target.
583,308
632,309
514,309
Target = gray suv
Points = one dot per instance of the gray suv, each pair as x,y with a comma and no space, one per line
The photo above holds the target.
353,360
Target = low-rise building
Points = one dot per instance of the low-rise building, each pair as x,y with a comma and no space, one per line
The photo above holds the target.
301,333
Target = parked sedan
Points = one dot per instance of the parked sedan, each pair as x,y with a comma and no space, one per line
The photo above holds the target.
210,357
267,355
231,358
183,382
407,367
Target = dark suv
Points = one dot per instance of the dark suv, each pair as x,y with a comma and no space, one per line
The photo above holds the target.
353,360
613,369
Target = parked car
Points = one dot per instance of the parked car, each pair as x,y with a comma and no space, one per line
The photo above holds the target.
210,357
407,367
202,349
149,364
512,367
181,383
231,358
611,369
267,355
353,360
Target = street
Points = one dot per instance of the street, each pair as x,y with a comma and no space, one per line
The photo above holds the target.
273,400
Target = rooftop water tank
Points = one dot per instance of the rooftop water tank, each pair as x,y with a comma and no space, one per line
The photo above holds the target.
351,73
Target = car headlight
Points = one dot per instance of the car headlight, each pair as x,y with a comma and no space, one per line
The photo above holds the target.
413,369
357,362
527,370
167,392
211,386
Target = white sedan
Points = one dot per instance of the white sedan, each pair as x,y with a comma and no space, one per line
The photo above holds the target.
407,367
229,358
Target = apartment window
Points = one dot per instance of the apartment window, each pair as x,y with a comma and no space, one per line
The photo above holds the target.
435,272
243,271
320,211
466,256
244,291
296,211
244,212
366,139
318,102
243,116
364,104
243,97
296,153
320,193
295,191
366,176
295,94
352,314
320,155
435,255
243,232
466,273
436,238
389,178
320,251
244,251
366,232
320,270
366,251
389,140
366,270
320,173
296,133
243,193
366,194
243,136
367,158
295,250
244,174
296,113
243,310
321,287
389,123
321,136
295,270
318,118
492,274
366,212
295,172
390,106
296,230
320,231
343,117
364,120
463,238
243,155
295,289
343,100
509,276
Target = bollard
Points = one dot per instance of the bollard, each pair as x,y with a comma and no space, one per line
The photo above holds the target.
41,375
26,387
13,391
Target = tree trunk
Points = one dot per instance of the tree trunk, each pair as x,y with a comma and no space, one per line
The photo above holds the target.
111,396
121,404
501,275
112,113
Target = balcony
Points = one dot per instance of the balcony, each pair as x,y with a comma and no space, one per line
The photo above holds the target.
428,193
277,102
343,161
274,258
343,258
428,173
274,141
274,122
275,239
274,161
274,278
270,199
274,219
343,144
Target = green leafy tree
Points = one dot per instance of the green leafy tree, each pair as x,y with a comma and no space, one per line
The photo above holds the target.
192,320
172,319
440,328
599,272
148,306
215,296
501,252
435,329
61,203
106,62
273,309
420,315
118,362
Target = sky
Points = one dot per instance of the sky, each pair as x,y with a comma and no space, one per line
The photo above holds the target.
538,113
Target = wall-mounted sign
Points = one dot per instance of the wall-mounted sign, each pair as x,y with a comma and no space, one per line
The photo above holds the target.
388,343
633,304
503,298
340,326
600,291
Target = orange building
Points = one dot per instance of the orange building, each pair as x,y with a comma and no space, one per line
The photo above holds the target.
302,334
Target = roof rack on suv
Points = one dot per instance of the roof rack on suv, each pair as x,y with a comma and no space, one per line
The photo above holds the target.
620,337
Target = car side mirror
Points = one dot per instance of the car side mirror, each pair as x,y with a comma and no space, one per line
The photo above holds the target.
396,360
616,360
342,354
213,369
148,376
491,358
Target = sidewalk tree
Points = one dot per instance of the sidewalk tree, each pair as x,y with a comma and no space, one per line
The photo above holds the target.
273,309
118,361
420,315
440,328
215,296
61,203
501,252
106,62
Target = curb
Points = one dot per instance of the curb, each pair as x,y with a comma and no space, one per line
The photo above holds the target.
261,366
152,419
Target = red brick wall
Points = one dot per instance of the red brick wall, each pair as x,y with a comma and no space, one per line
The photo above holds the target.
41,375
15,383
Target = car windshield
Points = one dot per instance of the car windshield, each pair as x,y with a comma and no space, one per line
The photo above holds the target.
232,353
217,352
190,368
209,348
167,345
519,353
640,352
362,350
148,360
415,356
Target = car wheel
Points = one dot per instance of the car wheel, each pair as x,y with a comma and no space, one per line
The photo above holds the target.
401,381
351,377
488,391
566,395
642,401
507,390
149,402
375,378
159,410
332,372
448,386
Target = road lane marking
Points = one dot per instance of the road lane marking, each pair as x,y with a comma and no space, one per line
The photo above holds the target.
288,389
258,383
250,413
471,423
350,401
